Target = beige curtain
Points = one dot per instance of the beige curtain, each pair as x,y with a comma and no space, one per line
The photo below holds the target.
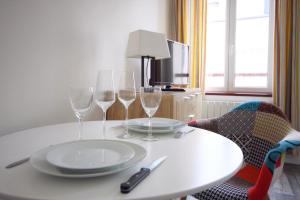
190,16
198,42
182,20
286,59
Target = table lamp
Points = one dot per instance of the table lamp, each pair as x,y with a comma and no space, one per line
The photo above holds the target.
146,44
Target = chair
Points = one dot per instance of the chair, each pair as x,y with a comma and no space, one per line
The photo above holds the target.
264,134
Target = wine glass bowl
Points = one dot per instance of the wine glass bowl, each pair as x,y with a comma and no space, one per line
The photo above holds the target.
126,95
150,99
104,95
104,99
81,100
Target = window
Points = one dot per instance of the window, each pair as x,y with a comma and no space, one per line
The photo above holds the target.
239,51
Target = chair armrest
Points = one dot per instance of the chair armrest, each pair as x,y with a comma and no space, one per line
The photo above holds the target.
207,124
272,162
279,168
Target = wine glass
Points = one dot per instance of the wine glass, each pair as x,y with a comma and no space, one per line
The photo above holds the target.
126,95
104,95
150,99
81,100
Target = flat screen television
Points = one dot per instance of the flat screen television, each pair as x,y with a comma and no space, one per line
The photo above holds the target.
173,70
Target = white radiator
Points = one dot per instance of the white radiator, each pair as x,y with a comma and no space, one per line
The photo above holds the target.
212,109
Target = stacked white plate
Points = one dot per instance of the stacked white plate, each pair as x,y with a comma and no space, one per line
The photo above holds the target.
87,158
159,125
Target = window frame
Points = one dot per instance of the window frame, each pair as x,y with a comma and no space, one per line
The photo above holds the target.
230,31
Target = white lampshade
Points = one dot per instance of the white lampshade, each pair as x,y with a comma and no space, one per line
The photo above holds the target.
147,43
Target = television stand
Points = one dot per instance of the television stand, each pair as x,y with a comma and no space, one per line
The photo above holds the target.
174,105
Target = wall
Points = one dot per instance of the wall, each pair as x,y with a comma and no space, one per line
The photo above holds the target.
44,44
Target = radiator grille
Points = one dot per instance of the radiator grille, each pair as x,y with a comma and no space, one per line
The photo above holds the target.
212,109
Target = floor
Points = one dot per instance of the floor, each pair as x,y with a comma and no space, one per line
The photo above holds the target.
287,187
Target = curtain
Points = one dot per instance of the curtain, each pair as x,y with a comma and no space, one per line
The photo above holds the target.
198,43
191,29
182,21
286,59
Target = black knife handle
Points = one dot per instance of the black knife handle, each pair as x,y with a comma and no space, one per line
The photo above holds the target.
134,180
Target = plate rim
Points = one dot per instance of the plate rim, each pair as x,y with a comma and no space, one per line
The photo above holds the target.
155,118
64,167
136,129
38,157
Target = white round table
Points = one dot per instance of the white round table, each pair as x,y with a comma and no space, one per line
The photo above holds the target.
195,162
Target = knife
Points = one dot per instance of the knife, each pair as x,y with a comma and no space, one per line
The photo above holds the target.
136,178
20,162
17,163
179,134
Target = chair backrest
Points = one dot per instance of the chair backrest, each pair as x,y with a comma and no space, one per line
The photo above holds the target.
256,127
264,134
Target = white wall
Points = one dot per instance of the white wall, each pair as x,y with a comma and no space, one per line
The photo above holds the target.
46,43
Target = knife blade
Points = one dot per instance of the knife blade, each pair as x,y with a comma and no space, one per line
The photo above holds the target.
136,178
179,134
17,163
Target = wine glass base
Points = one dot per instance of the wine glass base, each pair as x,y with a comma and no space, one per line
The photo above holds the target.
125,136
150,138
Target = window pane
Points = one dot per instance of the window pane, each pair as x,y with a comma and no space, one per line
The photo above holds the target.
251,44
215,43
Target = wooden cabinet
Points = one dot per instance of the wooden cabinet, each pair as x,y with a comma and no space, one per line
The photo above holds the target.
175,105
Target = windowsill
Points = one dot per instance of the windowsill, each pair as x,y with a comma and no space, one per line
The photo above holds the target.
250,94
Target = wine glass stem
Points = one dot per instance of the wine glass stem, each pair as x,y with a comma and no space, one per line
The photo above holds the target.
80,128
126,121
150,128
103,124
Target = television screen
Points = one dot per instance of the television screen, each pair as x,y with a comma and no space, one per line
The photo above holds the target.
173,70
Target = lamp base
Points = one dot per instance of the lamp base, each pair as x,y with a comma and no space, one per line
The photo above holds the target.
143,70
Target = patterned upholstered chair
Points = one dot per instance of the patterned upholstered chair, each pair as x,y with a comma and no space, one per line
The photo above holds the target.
264,134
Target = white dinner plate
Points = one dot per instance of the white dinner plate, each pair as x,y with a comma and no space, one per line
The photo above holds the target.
159,125
89,155
38,161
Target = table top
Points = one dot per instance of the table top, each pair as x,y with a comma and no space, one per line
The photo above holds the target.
195,162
